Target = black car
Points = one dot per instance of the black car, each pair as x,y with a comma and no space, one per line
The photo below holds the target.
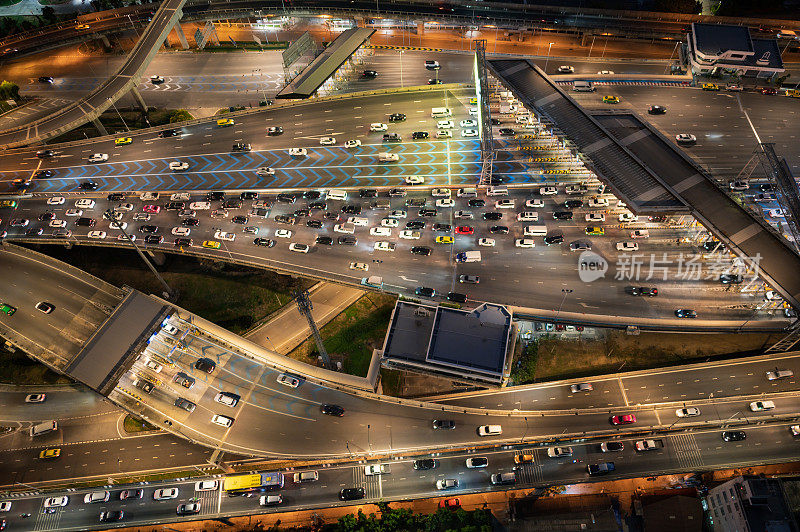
425,291
330,215
45,307
45,79
416,202
215,195
419,135
241,147
766,187
85,222
169,133
711,245
370,74
43,154
351,494
397,117
324,240
603,468
183,379
111,515
153,239
318,205
285,219
657,110
455,297
425,464
498,230
553,239
190,222
301,213
232,203
314,224
507,132
434,81
148,229
274,130
415,224
312,194
183,241
190,508
351,209
43,174
88,185
347,240
265,242
495,179
658,218
477,202
493,216
284,197
116,196
185,404
562,215
248,195
397,193
421,250
47,216
392,137
573,204
731,278
442,228
240,220
205,364
685,313
427,212
443,424
495,121
368,193
175,206
733,435
34,231
332,410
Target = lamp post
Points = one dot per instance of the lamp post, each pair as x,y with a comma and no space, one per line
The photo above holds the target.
401,68
548,56
564,291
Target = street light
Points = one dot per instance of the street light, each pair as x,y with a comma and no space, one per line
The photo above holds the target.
564,291
401,69
548,56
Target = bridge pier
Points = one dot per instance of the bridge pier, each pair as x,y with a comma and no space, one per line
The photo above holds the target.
420,28
106,43
99,126
139,100
157,257
181,35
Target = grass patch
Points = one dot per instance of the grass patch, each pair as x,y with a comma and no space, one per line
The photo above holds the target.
551,358
133,424
9,2
391,382
17,368
351,336
227,46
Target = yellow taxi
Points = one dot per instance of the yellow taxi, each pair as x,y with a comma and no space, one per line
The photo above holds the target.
122,141
444,239
793,93
473,101
594,230
225,122
710,87
49,454
523,459
12,204
82,27
212,244
610,99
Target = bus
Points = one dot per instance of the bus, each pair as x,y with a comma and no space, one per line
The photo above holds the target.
253,482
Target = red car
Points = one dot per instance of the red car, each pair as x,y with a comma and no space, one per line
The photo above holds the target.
450,503
152,209
627,419
769,90
464,230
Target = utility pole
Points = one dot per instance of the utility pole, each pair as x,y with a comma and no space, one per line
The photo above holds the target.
305,307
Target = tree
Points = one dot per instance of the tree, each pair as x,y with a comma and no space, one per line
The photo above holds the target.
49,13
9,90
179,115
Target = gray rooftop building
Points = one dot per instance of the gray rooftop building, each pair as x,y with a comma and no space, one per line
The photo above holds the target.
719,47
750,504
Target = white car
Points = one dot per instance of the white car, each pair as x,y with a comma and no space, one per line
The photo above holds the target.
548,191
534,204
352,144
414,179
640,233
468,133
222,235
386,157
775,213
265,171
761,406
57,223
54,502
445,124
473,111
487,242
606,72
375,469
222,421
283,233
595,217
206,485
598,202
739,185
477,462
84,203
359,266
504,204
399,213
156,79
685,138
56,200
163,494
299,248
445,202
446,484
378,127
181,231
148,196
155,366
628,217
390,222
444,134
559,452
408,234
124,207
177,166
691,411
524,243
645,445
73,212
128,238
179,196
297,152
327,141
5,506
441,193
200,205
380,231
566,69
779,374
344,228
97,235
288,380
468,123
463,215
98,157
384,246
627,246
772,295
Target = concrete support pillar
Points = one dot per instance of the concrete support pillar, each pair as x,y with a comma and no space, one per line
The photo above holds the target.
213,34
420,28
138,97
106,42
360,22
157,257
181,36
521,35
100,127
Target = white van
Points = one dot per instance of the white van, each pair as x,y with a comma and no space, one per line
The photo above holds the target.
467,192
582,86
306,476
528,216
358,220
336,194
270,500
44,428
490,430
497,191
441,112
536,230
